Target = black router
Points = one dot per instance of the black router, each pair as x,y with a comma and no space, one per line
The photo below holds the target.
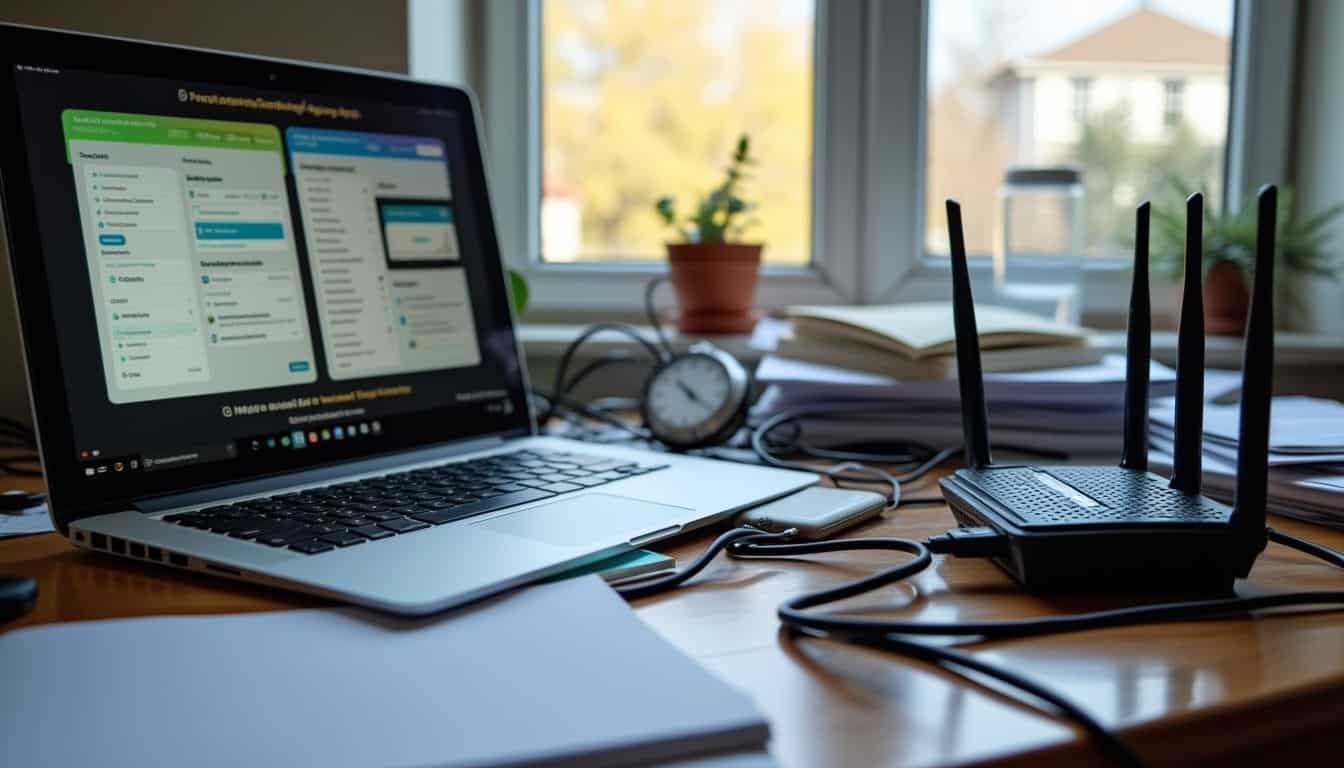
1123,528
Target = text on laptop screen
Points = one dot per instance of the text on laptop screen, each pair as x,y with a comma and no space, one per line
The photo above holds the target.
261,278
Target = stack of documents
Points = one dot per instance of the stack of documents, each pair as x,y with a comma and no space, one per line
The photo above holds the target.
1306,454
1074,412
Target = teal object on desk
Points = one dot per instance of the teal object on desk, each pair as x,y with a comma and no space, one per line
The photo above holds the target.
640,562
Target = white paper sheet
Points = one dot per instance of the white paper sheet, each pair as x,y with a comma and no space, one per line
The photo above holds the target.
33,520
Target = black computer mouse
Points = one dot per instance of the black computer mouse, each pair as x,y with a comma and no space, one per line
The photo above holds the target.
17,595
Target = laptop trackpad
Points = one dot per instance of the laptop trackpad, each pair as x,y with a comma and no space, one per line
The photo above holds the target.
588,519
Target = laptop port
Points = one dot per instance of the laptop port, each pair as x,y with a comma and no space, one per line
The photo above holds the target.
223,569
155,554
79,536
118,546
137,550
98,540
178,560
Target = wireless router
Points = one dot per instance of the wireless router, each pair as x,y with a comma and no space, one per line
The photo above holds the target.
1123,528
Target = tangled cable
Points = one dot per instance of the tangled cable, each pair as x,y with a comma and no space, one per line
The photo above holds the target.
799,616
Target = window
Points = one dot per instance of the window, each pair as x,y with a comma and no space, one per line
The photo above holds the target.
1082,87
1041,84
880,111
1173,102
643,98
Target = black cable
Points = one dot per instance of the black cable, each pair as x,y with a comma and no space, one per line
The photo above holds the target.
928,458
896,635
562,368
1302,545
582,408
640,586
607,359
907,501
651,312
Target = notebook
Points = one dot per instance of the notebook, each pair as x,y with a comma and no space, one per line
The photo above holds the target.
861,356
924,329
561,673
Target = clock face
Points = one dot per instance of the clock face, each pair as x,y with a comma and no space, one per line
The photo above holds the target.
692,394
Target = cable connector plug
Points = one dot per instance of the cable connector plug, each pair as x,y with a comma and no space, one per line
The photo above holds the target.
979,541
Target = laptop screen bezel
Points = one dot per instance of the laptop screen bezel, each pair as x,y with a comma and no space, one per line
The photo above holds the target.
71,497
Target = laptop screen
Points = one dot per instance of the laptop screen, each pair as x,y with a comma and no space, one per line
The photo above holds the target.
250,280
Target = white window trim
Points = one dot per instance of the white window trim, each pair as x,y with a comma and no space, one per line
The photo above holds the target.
868,166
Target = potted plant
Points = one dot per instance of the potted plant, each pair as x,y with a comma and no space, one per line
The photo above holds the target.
1229,255
713,272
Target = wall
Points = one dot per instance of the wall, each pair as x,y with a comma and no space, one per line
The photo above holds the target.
357,33
1319,154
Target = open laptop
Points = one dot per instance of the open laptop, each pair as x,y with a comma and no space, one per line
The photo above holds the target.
268,334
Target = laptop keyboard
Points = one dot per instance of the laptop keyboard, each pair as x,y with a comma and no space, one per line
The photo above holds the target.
343,515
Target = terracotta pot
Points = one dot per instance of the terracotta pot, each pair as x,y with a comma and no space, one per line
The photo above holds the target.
1226,300
715,285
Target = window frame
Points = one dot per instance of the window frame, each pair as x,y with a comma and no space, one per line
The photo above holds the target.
868,156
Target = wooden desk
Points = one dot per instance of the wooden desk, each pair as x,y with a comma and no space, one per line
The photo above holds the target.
1228,691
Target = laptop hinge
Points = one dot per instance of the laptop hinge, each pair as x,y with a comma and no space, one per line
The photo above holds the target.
279,483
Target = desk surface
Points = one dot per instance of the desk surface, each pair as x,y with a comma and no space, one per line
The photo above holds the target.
1271,688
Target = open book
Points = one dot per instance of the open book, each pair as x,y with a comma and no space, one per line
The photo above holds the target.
921,330
871,359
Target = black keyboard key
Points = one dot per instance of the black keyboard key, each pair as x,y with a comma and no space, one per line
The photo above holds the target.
561,487
311,546
272,539
383,517
244,533
403,525
343,539
372,532
448,514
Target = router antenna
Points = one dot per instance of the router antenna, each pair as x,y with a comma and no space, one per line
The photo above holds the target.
1186,467
1257,376
974,416
1138,350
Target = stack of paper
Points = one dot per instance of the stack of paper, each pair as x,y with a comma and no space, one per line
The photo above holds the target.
1306,454
1075,412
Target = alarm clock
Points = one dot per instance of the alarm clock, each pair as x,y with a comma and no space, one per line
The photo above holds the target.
696,399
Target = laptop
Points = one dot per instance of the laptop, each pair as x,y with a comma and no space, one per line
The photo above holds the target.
268,334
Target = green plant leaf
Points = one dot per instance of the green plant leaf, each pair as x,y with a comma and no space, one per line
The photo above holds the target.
519,291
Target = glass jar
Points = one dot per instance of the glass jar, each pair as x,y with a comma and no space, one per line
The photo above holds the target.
1038,243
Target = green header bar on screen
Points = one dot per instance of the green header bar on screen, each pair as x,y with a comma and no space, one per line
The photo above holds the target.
87,125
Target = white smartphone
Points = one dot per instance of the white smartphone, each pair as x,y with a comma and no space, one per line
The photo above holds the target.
817,512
